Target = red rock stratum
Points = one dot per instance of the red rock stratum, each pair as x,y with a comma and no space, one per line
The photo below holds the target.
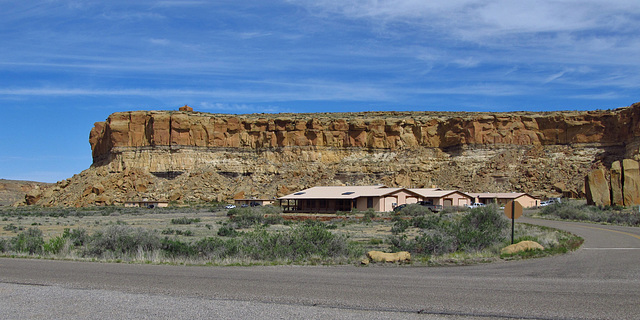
195,156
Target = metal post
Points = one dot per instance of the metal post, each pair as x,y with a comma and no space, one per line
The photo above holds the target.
513,220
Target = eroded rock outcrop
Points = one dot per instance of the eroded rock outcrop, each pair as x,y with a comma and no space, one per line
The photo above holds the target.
619,185
194,156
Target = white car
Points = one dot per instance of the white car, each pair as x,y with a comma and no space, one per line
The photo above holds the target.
475,205
230,206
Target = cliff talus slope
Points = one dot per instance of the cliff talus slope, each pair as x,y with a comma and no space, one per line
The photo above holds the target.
193,156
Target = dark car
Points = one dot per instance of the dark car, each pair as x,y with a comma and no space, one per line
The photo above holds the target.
400,207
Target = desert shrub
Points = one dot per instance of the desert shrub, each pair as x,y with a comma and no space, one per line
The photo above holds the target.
185,220
55,244
414,209
186,233
481,228
429,221
177,248
435,242
400,226
226,231
296,244
122,240
10,227
575,210
368,215
30,241
215,247
269,209
4,245
250,216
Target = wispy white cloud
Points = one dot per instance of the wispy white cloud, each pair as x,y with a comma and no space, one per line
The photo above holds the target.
240,108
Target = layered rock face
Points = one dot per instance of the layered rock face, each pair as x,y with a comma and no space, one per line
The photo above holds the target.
193,156
619,185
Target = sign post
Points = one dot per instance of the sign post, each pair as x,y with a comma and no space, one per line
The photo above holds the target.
513,211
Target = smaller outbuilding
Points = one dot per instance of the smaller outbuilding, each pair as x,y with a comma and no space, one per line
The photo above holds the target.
525,199
253,202
144,203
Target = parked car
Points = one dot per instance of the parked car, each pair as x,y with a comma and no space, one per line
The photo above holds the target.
230,206
475,205
430,206
400,207
548,202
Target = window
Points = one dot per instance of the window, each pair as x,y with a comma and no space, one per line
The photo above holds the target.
348,193
298,193
369,202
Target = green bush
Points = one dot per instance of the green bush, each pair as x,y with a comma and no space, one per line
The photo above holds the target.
30,241
214,247
250,216
185,220
55,244
10,227
575,210
296,244
176,248
226,231
414,209
368,215
122,240
481,228
476,230
78,237
400,226
429,221
5,245
435,242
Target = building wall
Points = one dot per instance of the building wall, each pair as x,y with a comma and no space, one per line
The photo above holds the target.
528,202
454,199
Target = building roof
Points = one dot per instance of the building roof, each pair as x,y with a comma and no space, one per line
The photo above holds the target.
437,193
504,195
341,192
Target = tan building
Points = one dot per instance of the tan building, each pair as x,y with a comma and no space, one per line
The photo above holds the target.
525,199
253,202
445,198
346,198
144,203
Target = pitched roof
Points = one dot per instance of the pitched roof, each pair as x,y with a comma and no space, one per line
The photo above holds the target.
341,192
436,193
504,195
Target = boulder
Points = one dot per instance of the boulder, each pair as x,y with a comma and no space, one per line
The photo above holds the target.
32,196
617,195
379,256
631,186
185,108
597,188
521,246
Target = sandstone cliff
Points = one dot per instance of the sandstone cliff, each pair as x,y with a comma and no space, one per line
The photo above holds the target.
193,156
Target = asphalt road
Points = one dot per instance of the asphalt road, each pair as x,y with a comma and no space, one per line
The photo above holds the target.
599,281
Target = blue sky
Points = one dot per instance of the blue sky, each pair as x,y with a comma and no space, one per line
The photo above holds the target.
67,64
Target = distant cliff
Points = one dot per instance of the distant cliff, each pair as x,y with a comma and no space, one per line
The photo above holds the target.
194,156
